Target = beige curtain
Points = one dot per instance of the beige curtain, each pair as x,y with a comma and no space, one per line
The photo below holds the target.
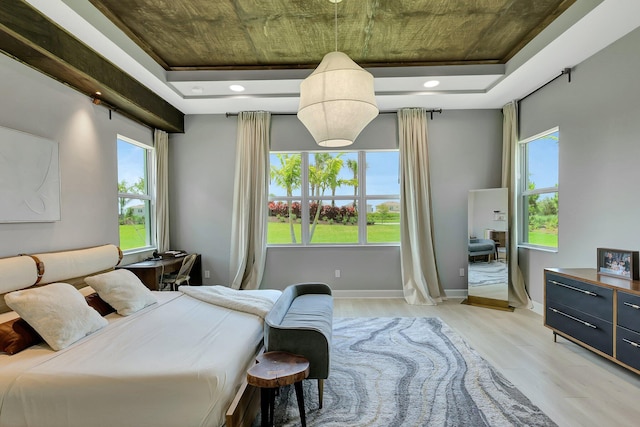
420,279
161,144
249,221
517,293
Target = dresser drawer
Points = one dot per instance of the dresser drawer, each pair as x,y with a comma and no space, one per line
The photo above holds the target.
592,331
590,299
628,347
629,311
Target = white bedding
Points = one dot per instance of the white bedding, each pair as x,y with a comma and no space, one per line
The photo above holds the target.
175,363
247,302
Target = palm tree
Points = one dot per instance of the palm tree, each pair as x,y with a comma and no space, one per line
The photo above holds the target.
288,177
352,164
332,171
323,175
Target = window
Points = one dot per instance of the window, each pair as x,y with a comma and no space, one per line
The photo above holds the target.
316,198
539,190
134,195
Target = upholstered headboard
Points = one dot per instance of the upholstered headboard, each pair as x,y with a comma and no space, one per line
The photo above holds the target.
24,271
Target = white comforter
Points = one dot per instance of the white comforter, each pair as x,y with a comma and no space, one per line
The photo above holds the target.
175,363
245,301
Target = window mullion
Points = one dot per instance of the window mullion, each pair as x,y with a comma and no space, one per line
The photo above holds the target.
304,198
134,196
362,200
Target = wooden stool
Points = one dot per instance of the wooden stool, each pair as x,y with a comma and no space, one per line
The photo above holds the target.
276,369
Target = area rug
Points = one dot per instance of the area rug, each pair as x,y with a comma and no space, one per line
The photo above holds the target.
393,372
487,273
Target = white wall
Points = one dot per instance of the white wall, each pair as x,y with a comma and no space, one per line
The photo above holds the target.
465,150
36,104
482,207
599,118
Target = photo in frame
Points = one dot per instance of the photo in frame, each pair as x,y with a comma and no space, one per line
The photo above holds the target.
618,263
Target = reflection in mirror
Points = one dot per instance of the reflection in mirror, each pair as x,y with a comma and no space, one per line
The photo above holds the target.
488,248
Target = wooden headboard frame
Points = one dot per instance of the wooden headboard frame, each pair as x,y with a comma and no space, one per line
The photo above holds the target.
32,270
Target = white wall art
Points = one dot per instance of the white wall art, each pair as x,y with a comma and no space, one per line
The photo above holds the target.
29,178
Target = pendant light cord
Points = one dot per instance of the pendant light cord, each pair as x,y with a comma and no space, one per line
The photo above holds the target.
336,22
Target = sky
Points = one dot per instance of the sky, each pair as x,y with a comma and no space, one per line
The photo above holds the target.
131,159
543,161
130,162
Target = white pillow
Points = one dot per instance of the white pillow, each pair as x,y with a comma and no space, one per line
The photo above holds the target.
122,290
58,312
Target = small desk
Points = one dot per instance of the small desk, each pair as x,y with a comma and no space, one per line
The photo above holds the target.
150,272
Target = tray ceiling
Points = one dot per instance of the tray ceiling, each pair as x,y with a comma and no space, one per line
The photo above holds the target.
258,34
157,60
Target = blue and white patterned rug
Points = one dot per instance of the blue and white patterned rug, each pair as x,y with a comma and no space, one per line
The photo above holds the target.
403,372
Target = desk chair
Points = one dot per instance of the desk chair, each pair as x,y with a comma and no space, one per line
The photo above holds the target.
173,281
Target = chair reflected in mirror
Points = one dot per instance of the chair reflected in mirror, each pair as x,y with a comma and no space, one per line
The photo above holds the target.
175,280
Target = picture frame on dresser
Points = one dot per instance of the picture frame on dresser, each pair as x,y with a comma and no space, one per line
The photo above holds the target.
618,263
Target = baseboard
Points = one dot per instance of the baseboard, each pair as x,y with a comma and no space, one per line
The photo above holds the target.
388,293
456,293
537,308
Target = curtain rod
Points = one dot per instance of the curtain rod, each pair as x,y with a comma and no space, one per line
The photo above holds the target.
439,111
566,71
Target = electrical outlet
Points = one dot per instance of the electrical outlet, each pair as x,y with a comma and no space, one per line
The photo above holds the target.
462,272
207,274
337,273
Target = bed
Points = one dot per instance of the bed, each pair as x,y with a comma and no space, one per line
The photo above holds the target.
179,361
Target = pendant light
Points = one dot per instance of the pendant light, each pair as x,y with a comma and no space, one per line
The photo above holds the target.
337,100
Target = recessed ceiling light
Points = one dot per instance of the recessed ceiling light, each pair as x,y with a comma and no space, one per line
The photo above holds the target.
237,88
431,83
197,90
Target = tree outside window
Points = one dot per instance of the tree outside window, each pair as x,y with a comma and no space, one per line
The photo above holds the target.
316,198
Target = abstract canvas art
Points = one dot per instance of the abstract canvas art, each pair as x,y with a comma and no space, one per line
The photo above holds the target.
29,178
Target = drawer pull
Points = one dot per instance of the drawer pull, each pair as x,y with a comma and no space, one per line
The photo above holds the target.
573,318
635,344
637,307
593,294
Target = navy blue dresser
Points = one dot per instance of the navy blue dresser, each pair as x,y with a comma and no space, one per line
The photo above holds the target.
600,313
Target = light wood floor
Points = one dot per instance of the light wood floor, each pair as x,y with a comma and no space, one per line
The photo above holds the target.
573,386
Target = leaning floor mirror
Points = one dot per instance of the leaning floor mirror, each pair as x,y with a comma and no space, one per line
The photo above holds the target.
488,249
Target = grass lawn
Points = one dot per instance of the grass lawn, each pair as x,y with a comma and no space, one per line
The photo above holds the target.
280,233
543,239
132,236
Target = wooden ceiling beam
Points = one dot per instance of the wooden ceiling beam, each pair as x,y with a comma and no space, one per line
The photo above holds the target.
29,37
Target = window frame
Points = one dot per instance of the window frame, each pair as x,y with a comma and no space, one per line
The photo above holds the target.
149,194
304,198
524,192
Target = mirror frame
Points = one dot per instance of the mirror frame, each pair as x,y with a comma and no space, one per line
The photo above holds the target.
489,220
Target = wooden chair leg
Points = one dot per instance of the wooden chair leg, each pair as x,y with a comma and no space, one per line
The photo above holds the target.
320,390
